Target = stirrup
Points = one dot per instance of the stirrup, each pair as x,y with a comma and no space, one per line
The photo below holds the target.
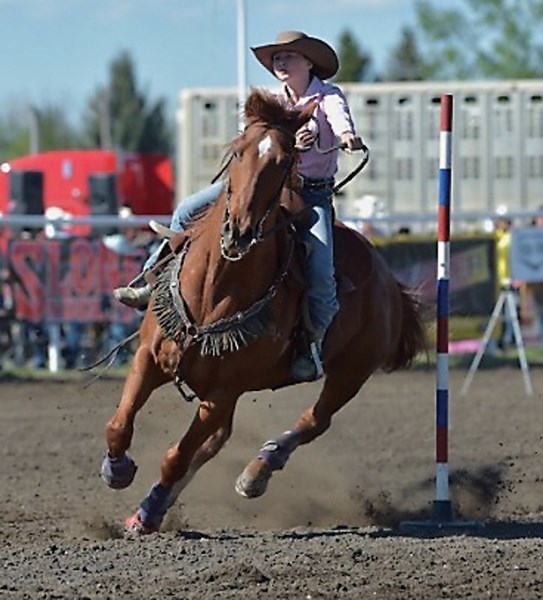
308,366
315,349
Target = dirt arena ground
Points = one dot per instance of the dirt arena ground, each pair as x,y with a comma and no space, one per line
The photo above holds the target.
328,526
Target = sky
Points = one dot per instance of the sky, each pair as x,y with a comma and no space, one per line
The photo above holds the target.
59,51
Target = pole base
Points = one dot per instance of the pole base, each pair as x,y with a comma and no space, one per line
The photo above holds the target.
442,522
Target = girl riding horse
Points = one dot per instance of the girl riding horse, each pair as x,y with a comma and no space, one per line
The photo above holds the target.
225,313
300,63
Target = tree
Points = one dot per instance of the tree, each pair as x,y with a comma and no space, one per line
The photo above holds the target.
355,64
55,132
405,62
498,39
121,116
14,135
47,126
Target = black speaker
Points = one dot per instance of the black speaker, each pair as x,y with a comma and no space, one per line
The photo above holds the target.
103,194
26,192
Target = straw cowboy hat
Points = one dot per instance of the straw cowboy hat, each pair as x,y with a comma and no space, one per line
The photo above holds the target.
324,59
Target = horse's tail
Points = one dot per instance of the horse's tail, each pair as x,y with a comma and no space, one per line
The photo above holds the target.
412,340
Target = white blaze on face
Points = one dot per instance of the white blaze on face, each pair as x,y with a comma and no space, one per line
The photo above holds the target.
264,146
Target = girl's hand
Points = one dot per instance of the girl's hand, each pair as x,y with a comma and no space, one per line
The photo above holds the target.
304,138
352,141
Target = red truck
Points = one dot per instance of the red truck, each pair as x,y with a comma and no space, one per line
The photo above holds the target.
87,182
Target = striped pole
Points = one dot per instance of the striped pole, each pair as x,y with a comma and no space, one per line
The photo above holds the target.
442,517
442,504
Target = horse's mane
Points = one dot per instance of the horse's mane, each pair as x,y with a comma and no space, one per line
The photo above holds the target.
264,106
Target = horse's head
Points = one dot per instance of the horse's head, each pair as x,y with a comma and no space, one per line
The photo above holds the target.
263,157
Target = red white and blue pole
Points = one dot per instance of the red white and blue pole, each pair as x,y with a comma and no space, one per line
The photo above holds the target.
442,504
442,508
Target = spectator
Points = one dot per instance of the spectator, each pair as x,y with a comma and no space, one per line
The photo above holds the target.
127,241
503,247
6,313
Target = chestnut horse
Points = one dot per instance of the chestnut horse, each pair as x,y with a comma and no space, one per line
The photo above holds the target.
225,317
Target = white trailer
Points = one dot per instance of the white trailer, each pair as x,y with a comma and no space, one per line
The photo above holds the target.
497,145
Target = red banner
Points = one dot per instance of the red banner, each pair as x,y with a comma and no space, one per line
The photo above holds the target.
70,280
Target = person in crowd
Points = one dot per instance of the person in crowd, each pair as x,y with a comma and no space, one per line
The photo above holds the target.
537,287
537,220
127,241
503,248
6,297
302,64
7,311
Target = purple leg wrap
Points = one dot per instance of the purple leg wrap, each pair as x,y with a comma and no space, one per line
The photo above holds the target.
276,452
154,506
118,472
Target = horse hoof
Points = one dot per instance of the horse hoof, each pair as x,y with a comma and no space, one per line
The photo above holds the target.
134,526
118,472
253,482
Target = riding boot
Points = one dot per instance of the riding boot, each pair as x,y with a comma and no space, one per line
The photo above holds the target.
134,297
308,366
139,297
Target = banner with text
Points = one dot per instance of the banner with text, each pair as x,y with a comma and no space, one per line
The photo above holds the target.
70,280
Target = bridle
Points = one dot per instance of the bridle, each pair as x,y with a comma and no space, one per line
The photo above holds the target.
258,234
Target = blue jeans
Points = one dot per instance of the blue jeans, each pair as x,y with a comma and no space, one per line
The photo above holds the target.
323,303
186,210
322,297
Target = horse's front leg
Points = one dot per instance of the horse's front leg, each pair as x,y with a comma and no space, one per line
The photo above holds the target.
210,429
145,375
206,452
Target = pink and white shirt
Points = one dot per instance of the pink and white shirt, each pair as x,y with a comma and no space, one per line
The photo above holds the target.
331,118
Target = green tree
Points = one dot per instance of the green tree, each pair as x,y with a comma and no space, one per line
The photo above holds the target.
46,126
405,62
14,135
354,63
55,132
494,39
121,116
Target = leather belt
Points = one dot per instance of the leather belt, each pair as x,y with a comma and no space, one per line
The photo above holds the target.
317,184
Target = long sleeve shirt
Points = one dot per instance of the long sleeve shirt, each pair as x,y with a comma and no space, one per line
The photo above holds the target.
331,118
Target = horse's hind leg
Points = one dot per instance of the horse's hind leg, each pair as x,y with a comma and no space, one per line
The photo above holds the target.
118,469
339,387
208,432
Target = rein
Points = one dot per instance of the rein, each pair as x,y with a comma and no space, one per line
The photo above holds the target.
355,171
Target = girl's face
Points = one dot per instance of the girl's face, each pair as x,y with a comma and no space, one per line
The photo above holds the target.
288,66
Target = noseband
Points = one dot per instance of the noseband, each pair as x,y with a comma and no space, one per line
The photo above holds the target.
258,234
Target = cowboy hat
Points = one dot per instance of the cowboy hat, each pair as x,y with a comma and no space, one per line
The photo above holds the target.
324,59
